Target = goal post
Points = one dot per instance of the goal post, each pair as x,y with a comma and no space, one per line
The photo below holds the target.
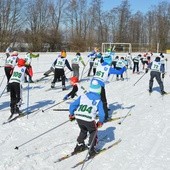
118,47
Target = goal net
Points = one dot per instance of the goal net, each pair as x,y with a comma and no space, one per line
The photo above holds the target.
117,47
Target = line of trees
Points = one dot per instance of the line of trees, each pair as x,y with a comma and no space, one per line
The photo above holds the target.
77,25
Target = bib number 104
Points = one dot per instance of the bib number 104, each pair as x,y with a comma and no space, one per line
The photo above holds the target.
85,108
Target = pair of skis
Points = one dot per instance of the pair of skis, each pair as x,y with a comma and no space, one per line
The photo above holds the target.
100,151
42,78
22,114
11,118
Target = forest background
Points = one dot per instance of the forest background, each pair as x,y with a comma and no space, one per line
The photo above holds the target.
80,25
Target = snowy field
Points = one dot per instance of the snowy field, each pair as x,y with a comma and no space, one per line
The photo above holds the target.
43,137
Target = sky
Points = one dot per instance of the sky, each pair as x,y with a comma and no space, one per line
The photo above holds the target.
141,5
43,137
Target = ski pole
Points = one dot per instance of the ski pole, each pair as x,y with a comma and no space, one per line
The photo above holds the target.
53,105
126,75
17,147
125,117
82,72
60,109
90,148
139,79
2,80
117,118
28,98
3,92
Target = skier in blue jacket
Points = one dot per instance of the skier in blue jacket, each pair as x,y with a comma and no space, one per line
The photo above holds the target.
103,71
85,109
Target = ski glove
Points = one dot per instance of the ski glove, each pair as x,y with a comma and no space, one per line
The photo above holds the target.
99,124
71,117
65,97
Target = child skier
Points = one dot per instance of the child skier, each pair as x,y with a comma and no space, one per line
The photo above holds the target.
129,61
15,84
75,64
163,60
136,61
8,51
9,66
119,65
115,61
156,70
102,73
97,60
28,59
92,56
77,90
59,64
84,110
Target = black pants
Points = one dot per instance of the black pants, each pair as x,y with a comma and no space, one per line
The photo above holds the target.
114,64
15,94
91,65
117,75
94,71
104,100
59,73
144,63
86,127
8,74
157,76
135,66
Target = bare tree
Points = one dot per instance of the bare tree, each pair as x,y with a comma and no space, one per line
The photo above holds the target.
97,29
80,24
124,16
56,19
163,24
77,21
10,22
37,14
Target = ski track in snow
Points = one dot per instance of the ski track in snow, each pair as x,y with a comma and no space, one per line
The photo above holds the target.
145,134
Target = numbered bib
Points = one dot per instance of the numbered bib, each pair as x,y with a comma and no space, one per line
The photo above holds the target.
87,109
156,66
60,63
76,60
102,72
18,74
11,61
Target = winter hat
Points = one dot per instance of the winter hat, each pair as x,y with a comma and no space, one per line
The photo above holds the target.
21,62
74,79
108,50
14,53
157,59
95,87
63,53
78,54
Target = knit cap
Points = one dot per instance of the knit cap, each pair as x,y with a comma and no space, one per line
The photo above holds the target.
95,87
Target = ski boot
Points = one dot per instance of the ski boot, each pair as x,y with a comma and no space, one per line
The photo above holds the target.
92,153
163,92
79,147
30,80
52,85
63,87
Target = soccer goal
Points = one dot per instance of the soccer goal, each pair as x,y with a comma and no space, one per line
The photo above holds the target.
118,47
